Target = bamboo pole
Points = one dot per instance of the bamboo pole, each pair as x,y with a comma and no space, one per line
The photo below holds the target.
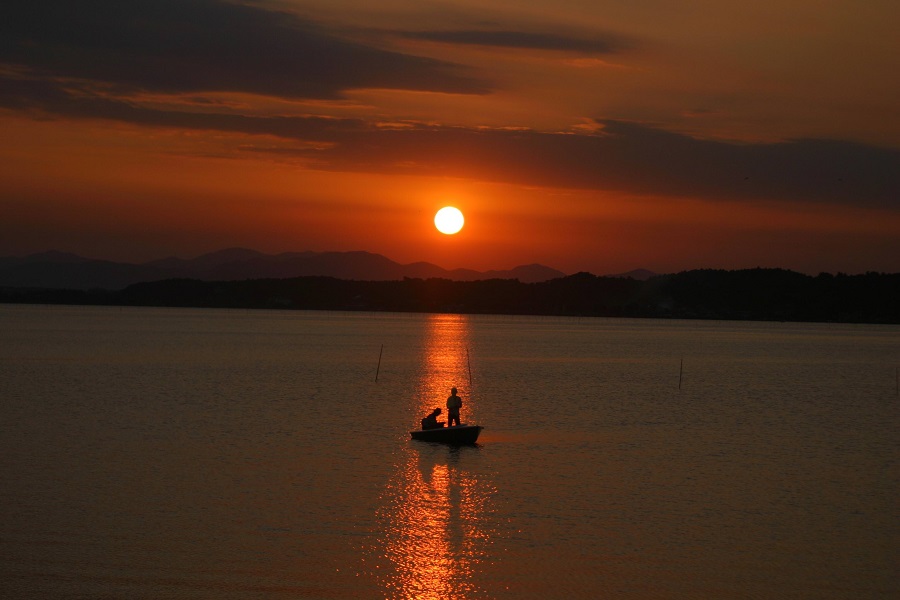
380,352
469,363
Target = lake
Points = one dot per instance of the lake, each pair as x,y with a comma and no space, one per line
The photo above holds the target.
230,454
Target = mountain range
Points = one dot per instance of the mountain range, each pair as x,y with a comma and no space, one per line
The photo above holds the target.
63,270
748,294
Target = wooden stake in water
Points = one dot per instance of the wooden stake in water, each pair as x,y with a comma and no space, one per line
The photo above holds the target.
379,363
469,363
680,372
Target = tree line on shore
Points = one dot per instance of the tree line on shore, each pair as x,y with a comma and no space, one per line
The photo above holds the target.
750,294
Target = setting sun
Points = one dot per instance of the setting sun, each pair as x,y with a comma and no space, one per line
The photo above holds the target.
449,220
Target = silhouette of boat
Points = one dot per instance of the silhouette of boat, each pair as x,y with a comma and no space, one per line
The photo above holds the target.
460,435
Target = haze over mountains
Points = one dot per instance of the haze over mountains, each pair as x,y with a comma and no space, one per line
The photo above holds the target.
61,270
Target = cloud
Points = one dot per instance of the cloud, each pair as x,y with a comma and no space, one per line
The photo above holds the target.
522,40
615,155
178,46
71,100
635,158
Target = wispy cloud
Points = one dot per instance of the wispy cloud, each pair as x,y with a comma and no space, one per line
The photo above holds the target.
528,40
614,155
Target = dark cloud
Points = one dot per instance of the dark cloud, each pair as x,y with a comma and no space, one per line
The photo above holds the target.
639,159
523,40
71,101
207,45
622,156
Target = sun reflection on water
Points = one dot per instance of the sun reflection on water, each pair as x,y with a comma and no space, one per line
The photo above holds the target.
436,533
445,363
435,512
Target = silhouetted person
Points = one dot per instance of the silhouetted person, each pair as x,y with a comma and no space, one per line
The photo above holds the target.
454,403
431,422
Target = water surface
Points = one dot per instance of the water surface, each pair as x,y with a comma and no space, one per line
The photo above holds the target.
186,453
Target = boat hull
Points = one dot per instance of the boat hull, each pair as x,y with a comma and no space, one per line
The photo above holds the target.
458,436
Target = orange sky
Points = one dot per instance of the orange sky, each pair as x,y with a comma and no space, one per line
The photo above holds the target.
580,134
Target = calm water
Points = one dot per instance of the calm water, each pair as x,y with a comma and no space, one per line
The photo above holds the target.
173,453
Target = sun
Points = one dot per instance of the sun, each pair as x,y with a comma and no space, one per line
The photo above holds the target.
449,220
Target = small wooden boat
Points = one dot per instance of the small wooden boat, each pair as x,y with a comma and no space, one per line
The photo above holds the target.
459,435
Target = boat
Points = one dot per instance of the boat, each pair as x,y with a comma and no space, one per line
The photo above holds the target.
459,435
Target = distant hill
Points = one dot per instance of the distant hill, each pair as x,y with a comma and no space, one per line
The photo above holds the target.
61,270
637,275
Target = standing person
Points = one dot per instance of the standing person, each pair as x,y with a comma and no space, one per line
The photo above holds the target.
454,403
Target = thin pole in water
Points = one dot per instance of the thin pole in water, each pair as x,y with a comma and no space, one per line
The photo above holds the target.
379,363
680,372
469,363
